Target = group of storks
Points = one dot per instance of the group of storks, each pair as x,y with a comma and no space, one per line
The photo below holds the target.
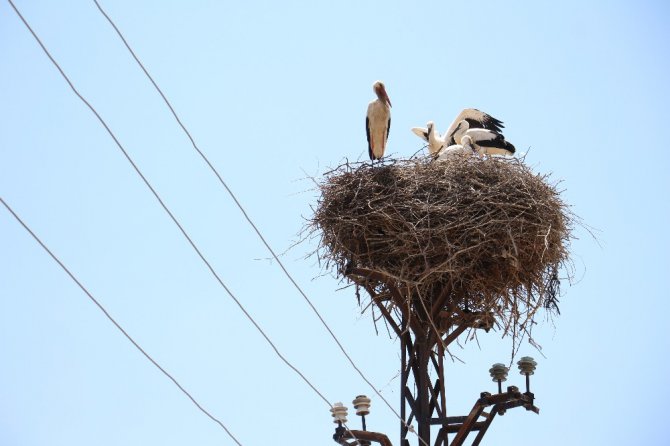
473,132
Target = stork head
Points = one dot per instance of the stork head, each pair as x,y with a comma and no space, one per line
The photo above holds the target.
466,141
462,127
380,91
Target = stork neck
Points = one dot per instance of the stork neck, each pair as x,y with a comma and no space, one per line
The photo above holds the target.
432,134
463,127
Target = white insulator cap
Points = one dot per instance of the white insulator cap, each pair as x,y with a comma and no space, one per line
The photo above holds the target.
499,372
362,405
527,365
339,412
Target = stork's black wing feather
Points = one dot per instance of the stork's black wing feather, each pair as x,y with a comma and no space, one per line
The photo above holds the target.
487,122
499,143
367,133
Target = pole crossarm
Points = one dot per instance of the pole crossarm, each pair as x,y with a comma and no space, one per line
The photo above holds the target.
363,438
462,426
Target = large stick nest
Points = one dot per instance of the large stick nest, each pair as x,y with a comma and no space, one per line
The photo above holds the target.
489,232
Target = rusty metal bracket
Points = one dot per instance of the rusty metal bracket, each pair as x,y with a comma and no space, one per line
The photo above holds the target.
360,438
500,402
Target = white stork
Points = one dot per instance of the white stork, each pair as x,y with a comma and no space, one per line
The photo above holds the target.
479,141
431,136
475,119
378,122
484,130
484,142
463,149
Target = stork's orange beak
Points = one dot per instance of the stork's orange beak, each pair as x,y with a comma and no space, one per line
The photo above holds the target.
386,97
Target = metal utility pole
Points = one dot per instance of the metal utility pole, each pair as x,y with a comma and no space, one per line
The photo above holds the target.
426,330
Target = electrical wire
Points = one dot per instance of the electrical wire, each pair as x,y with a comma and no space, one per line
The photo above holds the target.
174,219
157,196
116,324
242,209
120,328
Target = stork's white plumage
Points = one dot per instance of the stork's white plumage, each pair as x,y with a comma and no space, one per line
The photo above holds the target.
378,122
475,119
484,142
431,136
480,141
464,149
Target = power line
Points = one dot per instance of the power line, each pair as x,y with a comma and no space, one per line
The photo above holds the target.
116,324
241,208
183,231
167,210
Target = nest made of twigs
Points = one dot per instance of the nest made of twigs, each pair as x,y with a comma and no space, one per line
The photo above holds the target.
490,231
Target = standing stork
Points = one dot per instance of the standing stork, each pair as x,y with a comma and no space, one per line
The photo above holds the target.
378,122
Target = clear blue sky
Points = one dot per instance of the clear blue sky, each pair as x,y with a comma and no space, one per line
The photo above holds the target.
273,92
